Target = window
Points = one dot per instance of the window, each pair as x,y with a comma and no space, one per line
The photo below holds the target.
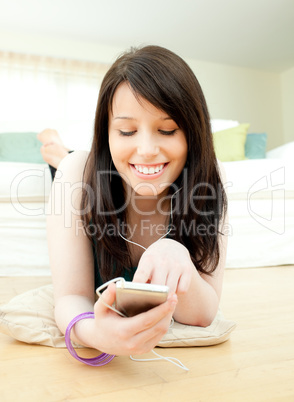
40,92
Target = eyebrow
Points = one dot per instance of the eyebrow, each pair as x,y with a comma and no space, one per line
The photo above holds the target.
124,118
132,118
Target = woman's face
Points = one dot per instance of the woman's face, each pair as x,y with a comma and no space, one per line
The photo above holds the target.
147,147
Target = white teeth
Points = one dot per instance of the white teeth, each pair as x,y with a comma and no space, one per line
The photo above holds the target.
151,170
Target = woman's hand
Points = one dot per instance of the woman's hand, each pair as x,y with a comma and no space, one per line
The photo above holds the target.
135,335
166,262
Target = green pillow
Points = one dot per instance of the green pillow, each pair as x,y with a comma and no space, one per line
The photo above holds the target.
255,146
20,147
229,144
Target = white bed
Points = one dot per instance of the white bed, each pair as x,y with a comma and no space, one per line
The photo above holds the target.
261,212
24,190
261,215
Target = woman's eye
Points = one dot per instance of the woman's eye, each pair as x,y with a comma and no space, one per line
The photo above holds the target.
126,133
166,132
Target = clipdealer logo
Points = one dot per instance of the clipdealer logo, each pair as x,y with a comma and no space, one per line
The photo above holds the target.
271,216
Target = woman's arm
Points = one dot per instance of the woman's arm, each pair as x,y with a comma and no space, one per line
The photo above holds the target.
199,304
70,252
199,299
168,262
71,261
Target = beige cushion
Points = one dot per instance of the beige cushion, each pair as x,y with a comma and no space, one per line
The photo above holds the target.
29,318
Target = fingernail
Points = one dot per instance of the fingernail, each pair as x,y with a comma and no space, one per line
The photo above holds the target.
173,298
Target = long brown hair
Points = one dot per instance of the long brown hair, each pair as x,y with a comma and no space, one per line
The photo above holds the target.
167,82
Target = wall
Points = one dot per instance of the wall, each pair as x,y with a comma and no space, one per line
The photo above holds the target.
56,47
287,83
246,95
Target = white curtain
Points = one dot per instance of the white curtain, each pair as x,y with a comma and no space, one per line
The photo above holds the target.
40,92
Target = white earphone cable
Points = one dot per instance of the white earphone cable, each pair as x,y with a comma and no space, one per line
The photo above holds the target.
169,229
172,360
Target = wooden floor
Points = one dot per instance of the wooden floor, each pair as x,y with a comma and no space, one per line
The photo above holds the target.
256,364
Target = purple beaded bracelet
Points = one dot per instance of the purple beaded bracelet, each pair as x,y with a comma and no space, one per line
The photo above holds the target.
100,360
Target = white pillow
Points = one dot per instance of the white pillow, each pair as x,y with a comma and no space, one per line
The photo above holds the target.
220,125
28,181
283,152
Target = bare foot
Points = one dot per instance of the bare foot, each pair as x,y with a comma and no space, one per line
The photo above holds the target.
53,153
49,136
53,150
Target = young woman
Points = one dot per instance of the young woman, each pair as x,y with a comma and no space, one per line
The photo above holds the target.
147,203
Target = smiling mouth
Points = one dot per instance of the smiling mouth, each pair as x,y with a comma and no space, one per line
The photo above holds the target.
149,170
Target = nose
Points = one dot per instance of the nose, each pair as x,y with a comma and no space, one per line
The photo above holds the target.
147,146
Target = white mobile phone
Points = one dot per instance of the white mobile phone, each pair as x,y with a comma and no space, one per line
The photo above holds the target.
134,298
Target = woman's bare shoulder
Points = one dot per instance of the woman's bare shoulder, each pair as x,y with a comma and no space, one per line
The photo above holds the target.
72,166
